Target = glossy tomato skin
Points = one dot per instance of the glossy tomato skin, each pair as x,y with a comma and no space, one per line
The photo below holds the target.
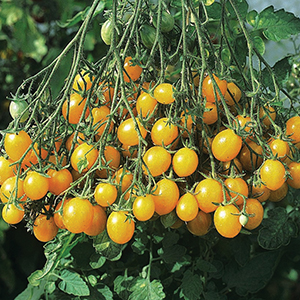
101,119
132,72
208,88
106,32
226,220
59,181
233,94
36,185
279,148
260,192
238,188
293,129
19,109
12,188
123,178
272,174
210,115
44,228
256,212
148,34
163,132
143,207
105,194
209,191
128,134
185,162
98,223
145,105
187,207
165,196
201,224
83,81
84,152
6,169
163,93
119,227
294,171
58,214
157,159
11,214
267,114
226,145
251,159
77,214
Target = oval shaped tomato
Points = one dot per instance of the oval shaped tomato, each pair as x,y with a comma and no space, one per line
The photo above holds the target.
294,171
11,214
185,162
157,160
209,191
123,178
165,196
120,228
83,81
58,214
187,207
7,170
105,194
98,223
251,156
238,188
163,93
12,189
210,114
267,114
36,185
101,119
293,129
128,133
209,90
226,220
44,228
77,214
272,174
260,192
19,109
233,94
200,225
167,21
143,207
106,32
59,181
279,148
84,157
132,71
145,105
279,194
226,145
163,132
148,34
256,213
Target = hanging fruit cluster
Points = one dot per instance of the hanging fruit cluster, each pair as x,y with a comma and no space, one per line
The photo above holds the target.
168,123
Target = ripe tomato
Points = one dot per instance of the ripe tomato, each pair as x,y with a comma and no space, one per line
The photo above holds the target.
145,105
209,91
107,93
294,171
200,225
123,178
16,144
279,194
267,114
119,227
165,196
111,160
272,174
143,207
58,214
98,223
6,169
129,151
12,189
163,132
185,162
163,93
243,123
83,81
234,164
59,181
279,147
293,129
157,159
237,188
226,221
256,212
84,157
11,214
105,194
101,119
233,94
210,115
209,191
226,145
251,159
128,133
77,214
44,229
187,207
73,109
36,185
80,138
132,71
260,192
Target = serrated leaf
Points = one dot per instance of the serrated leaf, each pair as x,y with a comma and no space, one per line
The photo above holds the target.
277,229
107,248
143,289
122,284
97,261
259,44
191,287
277,25
73,284
105,292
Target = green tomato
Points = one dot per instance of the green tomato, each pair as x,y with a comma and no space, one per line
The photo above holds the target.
106,32
167,21
17,110
148,34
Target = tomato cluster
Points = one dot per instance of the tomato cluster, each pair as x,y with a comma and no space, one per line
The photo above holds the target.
127,146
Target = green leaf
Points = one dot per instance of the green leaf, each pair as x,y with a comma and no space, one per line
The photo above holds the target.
143,289
277,25
259,44
105,292
82,164
205,266
242,7
241,247
191,287
107,248
277,229
73,284
97,261
281,70
32,292
122,285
